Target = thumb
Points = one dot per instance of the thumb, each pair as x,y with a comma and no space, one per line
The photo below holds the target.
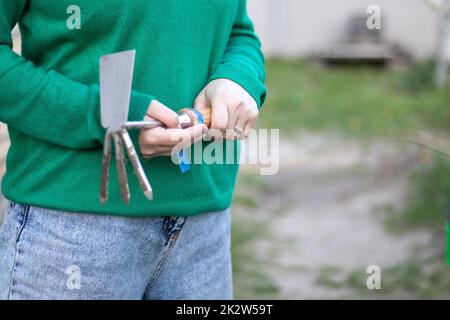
219,117
201,101
160,112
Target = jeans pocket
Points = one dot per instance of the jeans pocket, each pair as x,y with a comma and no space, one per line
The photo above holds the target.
172,228
10,207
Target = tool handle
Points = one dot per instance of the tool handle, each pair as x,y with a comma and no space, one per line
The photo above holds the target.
148,124
121,169
197,116
188,118
140,173
105,168
207,116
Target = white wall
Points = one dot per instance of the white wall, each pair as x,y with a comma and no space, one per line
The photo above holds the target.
300,27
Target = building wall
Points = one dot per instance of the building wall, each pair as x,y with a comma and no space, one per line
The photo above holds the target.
301,27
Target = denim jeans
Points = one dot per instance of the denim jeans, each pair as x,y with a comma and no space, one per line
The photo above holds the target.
47,254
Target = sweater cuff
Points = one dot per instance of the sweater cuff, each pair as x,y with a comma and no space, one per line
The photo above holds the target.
249,82
139,104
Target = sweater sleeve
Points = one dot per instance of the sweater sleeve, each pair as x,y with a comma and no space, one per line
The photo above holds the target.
243,61
43,103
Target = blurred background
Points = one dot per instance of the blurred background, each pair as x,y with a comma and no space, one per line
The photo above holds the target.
360,92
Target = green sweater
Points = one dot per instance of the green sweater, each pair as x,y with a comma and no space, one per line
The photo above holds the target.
49,97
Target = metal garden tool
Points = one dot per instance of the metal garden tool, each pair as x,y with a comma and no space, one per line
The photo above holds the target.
116,76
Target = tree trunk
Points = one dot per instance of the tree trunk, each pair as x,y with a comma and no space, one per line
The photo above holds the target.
443,45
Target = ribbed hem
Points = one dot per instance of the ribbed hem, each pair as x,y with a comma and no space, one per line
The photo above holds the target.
138,106
140,210
93,115
249,82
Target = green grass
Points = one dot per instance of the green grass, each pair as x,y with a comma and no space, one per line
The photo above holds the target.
357,101
428,200
416,278
250,280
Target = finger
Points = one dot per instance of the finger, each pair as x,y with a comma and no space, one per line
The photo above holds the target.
237,122
157,151
213,135
161,137
157,137
247,119
188,136
241,123
164,114
201,101
171,137
251,124
202,105
191,136
219,115
233,117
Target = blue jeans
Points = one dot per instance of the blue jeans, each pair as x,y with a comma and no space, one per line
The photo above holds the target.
46,254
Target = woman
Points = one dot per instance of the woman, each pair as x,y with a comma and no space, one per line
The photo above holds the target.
57,240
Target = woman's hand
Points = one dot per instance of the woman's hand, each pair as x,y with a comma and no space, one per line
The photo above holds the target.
165,141
234,111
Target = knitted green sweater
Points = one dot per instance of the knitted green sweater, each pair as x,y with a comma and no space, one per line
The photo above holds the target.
49,97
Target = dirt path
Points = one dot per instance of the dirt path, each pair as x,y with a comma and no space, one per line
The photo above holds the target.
323,214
